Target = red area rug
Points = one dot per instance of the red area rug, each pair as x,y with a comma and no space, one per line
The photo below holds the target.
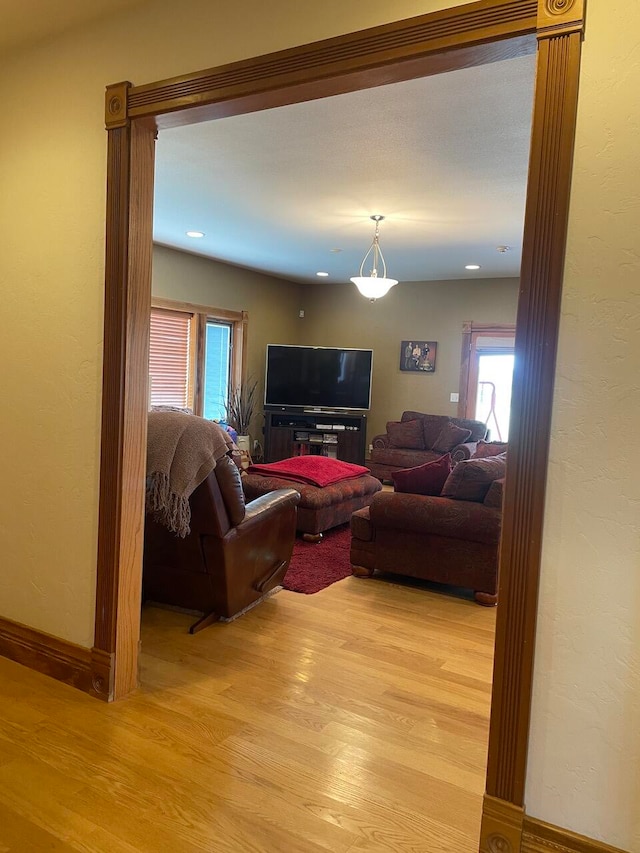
316,566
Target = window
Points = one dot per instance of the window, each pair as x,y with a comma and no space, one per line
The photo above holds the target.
217,364
195,356
171,363
486,376
493,392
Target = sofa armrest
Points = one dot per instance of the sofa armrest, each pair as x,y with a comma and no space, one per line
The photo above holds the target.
267,505
463,451
436,516
380,442
271,520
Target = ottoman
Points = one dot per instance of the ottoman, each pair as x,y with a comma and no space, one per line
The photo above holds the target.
320,507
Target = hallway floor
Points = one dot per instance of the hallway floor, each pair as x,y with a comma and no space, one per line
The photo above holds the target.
351,721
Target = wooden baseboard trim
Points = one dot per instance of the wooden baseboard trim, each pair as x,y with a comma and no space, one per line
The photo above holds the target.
541,837
90,670
501,830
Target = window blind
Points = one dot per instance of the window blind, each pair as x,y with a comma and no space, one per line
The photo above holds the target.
170,371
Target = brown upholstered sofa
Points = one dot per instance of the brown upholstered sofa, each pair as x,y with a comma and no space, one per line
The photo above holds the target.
234,554
389,454
438,539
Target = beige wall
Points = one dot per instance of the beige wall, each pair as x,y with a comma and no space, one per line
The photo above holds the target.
584,746
52,221
272,304
337,315
584,767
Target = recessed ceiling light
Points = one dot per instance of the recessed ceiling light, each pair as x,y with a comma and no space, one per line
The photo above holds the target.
472,267
335,251
195,233
322,274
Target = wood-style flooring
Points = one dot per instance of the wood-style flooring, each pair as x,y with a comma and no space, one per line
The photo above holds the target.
351,721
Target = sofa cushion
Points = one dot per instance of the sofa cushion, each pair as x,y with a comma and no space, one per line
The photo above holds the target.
470,480
399,458
432,425
449,436
433,516
489,448
427,479
494,495
406,434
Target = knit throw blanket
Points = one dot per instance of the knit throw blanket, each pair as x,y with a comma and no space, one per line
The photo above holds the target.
182,450
314,470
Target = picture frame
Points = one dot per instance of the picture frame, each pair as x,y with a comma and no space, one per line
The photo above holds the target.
418,356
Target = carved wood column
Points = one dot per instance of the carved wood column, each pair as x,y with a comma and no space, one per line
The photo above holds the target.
130,150
559,32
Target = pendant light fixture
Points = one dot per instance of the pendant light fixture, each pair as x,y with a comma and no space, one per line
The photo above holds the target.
374,286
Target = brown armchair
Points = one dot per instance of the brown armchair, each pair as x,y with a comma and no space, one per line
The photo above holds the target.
234,554
454,542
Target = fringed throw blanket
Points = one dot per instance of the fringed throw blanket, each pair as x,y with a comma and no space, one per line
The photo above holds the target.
182,450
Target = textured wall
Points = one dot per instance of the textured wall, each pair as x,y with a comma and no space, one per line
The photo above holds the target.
52,214
584,766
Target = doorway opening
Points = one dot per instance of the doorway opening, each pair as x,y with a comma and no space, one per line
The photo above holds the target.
410,48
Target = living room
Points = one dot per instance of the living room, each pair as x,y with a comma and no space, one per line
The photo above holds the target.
589,527
447,205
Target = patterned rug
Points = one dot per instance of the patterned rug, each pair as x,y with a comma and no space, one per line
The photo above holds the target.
315,566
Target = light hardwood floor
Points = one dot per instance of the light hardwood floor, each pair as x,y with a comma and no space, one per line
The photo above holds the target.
351,721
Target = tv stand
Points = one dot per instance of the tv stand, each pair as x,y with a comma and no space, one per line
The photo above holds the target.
314,431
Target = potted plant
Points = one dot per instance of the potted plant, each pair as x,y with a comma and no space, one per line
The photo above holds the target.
240,408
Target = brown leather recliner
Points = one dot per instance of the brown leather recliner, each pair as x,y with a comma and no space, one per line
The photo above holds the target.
234,554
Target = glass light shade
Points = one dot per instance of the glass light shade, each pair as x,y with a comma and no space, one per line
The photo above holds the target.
373,287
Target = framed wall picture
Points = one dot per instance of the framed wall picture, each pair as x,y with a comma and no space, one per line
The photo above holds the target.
418,356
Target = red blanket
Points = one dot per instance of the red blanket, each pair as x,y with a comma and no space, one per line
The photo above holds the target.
315,470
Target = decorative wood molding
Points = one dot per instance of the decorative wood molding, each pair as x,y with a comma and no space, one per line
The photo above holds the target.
542,268
130,161
501,830
465,357
201,333
49,655
116,105
541,837
102,674
389,52
556,17
193,308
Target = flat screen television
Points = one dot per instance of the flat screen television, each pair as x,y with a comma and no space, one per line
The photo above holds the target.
318,377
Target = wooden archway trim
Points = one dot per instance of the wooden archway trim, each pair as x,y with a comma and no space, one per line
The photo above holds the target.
415,47
466,35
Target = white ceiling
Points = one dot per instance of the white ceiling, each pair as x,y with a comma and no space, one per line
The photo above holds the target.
443,158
